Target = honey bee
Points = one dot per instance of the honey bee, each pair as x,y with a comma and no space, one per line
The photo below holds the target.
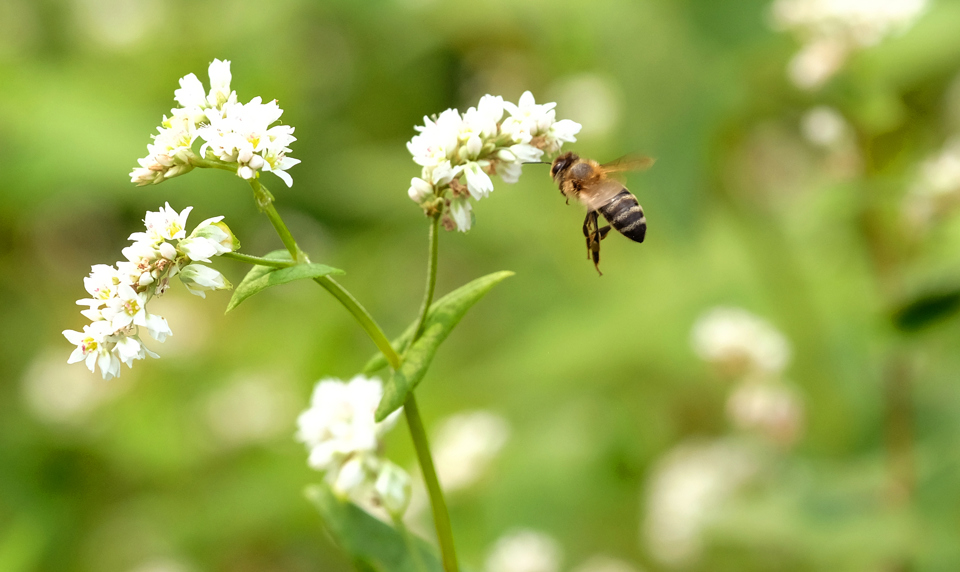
588,182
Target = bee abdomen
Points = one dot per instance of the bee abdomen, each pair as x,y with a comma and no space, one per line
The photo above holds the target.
625,214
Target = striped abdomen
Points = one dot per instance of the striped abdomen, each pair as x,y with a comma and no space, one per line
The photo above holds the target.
625,214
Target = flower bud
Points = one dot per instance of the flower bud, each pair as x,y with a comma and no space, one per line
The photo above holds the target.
199,278
246,172
393,489
168,251
419,190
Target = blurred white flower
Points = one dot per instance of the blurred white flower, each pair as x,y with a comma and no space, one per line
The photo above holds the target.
685,490
250,410
119,294
341,434
163,565
594,99
393,489
465,444
604,563
239,135
825,127
936,190
769,408
478,144
739,342
524,551
59,394
832,29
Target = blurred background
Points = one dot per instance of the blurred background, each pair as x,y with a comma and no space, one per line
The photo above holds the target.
769,382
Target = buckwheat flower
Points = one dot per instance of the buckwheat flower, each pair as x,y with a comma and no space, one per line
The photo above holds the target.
604,563
524,551
833,29
477,144
686,490
465,445
199,279
119,294
91,347
740,343
393,489
771,409
936,189
341,433
165,224
239,135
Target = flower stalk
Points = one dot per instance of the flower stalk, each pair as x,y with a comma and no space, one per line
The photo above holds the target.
412,412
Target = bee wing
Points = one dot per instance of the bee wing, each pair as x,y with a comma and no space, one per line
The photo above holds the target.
597,195
631,162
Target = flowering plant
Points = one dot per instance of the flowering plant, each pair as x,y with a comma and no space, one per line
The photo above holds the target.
346,421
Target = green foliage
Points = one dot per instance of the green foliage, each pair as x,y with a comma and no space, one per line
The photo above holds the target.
443,316
372,544
262,277
927,309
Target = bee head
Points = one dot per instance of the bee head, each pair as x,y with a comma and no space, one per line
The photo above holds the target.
562,163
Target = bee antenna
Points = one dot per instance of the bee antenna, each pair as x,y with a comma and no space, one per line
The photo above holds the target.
536,163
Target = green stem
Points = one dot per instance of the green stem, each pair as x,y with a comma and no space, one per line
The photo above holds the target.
434,238
258,260
363,317
441,518
265,200
207,164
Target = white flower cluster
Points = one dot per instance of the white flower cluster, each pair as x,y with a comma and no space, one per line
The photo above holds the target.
479,143
740,343
831,30
117,306
750,350
772,409
236,134
686,490
343,438
936,190
525,551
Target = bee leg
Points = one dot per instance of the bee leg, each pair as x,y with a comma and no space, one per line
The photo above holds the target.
603,232
589,223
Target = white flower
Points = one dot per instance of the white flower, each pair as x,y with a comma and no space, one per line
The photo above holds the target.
393,489
832,29
198,278
191,92
119,294
460,210
524,551
936,190
686,489
604,563
232,132
479,143
419,190
465,444
90,344
165,224
210,238
772,409
341,433
739,342
478,182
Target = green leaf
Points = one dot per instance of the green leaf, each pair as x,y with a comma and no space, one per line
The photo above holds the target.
444,315
262,277
927,309
372,544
